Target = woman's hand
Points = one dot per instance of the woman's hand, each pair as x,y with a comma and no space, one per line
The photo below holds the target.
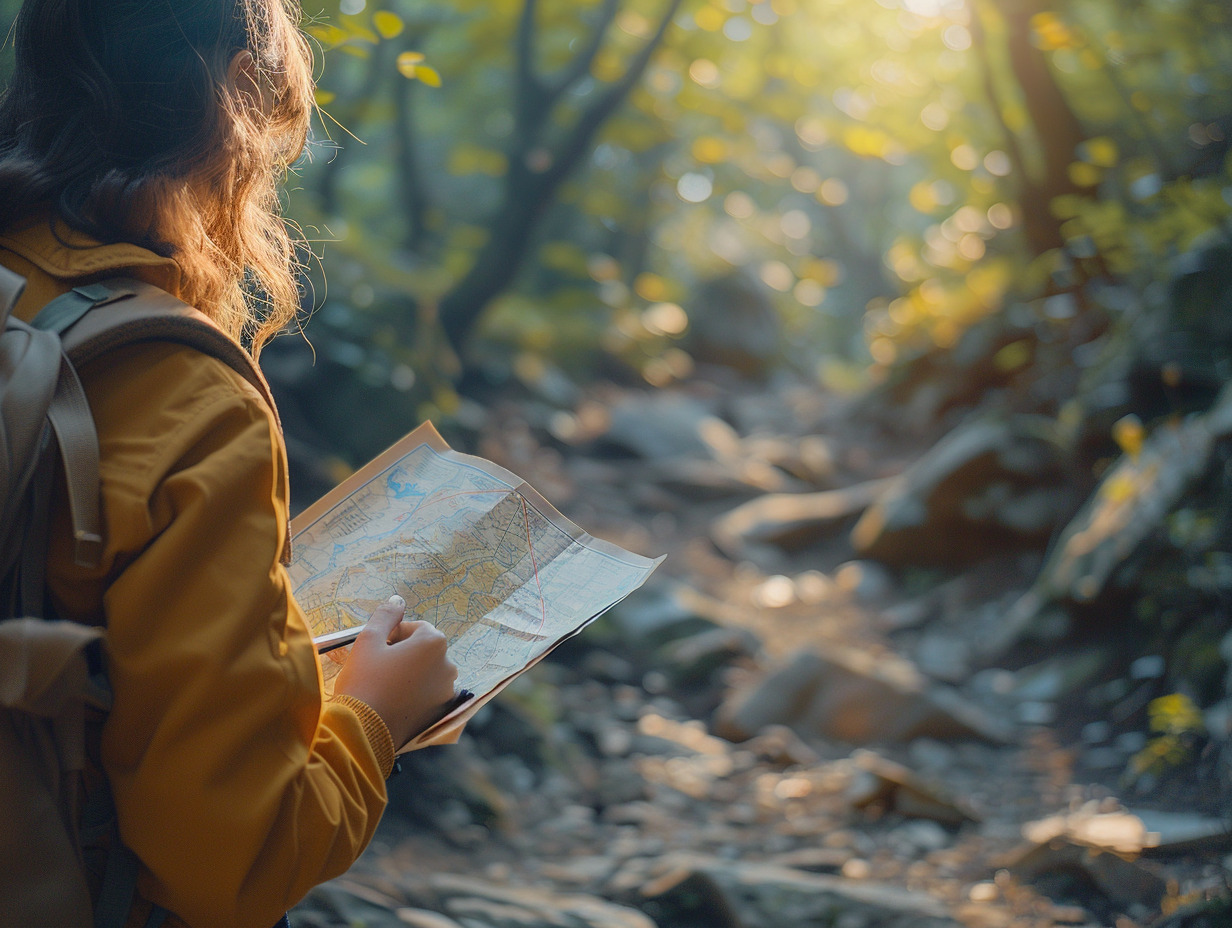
401,670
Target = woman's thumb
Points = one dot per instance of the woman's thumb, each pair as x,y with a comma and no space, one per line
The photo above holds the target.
386,618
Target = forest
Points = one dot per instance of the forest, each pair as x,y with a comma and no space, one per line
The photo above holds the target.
904,328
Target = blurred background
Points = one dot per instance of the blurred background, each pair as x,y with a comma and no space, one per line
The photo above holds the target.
903,326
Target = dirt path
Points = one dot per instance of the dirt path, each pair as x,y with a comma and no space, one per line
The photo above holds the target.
596,788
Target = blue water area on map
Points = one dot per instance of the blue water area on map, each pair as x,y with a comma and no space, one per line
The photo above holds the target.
403,490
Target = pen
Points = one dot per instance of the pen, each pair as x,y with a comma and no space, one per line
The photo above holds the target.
332,640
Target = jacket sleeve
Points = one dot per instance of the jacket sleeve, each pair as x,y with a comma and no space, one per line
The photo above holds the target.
234,785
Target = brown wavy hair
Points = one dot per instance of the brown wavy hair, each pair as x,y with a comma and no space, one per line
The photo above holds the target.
123,121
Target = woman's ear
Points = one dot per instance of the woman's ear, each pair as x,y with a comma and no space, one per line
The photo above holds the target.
244,77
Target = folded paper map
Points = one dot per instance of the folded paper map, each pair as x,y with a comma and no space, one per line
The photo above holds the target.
472,548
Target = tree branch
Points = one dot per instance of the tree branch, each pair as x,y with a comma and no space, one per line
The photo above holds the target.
577,142
527,193
413,193
581,64
529,93
979,39
352,108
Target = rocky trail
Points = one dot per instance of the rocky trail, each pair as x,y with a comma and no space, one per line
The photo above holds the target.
840,702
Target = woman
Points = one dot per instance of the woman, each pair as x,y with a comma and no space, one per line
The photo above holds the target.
147,138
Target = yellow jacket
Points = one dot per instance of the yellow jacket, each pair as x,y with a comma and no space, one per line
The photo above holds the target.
234,785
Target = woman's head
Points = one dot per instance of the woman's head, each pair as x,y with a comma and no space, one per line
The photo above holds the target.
167,123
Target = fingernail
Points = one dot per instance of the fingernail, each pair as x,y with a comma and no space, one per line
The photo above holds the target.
397,600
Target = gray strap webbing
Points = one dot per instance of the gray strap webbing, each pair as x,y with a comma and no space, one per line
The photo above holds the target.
119,886
73,423
115,899
30,590
11,288
62,312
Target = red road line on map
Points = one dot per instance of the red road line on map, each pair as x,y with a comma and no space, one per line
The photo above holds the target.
534,561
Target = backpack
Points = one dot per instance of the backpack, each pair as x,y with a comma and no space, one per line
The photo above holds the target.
51,670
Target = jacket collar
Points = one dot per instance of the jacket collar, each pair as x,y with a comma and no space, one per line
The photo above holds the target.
65,253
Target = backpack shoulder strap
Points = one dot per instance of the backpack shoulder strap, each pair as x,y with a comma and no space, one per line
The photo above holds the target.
97,318
11,288
139,312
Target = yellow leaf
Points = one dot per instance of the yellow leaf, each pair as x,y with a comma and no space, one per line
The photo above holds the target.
1101,152
388,24
328,36
1051,32
324,97
1013,356
1129,434
1118,489
1084,175
428,75
1066,206
1175,715
709,150
407,62
651,287
710,19
358,30
822,270
923,197
471,159
565,257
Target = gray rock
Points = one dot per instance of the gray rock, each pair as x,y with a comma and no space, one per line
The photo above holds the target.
1058,676
1060,863
989,485
701,479
343,902
792,520
658,615
945,656
620,783
423,918
922,836
481,904
661,425
857,697
1182,833
865,581
699,657
779,745
733,894
733,322
1129,506
896,788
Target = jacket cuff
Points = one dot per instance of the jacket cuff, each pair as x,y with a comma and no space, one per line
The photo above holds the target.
374,727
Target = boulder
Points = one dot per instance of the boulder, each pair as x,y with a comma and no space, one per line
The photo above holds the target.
687,889
1101,879
698,658
661,425
733,322
988,486
1128,508
449,901
657,616
481,903
792,520
858,697
892,787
